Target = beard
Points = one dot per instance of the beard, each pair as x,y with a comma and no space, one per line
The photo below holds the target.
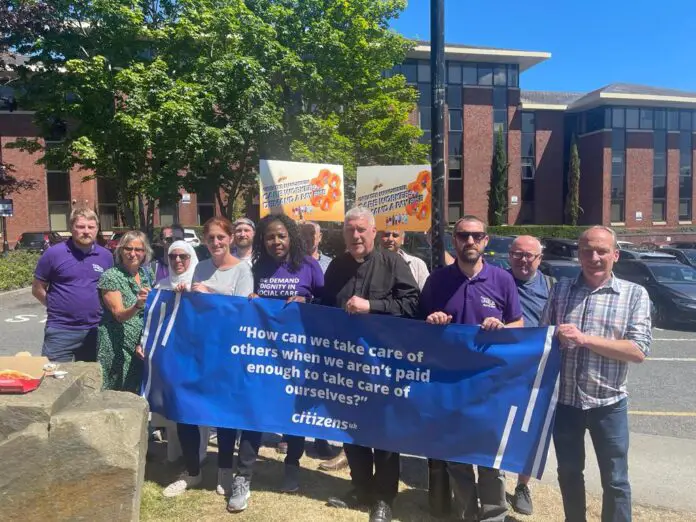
469,257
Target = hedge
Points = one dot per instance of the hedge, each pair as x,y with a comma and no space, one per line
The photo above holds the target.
17,269
562,231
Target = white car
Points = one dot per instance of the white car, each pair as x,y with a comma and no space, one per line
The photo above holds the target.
191,237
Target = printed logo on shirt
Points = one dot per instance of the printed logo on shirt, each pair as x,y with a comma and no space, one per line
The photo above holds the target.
487,302
97,268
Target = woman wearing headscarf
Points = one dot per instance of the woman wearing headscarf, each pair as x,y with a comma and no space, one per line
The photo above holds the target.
283,270
221,274
182,265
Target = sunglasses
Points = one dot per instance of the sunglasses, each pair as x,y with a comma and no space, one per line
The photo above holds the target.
183,257
133,249
476,236
527,256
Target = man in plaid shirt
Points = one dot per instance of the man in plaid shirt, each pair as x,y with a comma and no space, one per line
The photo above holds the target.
604,323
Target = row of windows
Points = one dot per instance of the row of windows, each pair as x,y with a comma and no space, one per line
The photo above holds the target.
461,73
635,118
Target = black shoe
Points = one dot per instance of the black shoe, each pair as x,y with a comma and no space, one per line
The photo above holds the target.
323,449
353,500
381,512
522,500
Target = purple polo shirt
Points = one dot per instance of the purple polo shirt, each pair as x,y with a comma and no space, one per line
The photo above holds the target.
72,301
490,293
277,281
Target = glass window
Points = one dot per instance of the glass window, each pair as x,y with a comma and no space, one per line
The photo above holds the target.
684,187
632,119
205,212
658,213
423,72
685,153
618,118
454,73
425,94
454,96
455,120
685,209
454,143
672,120
595,119
607,118
617,164
528,172
58,185
454,163
527,144
500,98
685,120
618,140
660,119
424,118
425,138
167,215
513,75
410,71
455,190
646,119
617,187
469,74
527,190
485,75
499,75
659,187
454,174
617,211
498,126
527,122
454,212
58,215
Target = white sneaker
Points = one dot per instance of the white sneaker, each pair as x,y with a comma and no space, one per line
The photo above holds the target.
184,482
224,481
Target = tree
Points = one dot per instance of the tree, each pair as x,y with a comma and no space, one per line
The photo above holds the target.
498,192
10,184
573,209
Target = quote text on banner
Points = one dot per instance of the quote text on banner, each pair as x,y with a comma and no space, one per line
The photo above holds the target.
453,393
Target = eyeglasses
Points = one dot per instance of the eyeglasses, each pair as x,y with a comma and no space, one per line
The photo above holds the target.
476,236
133,249
391,234
527,256
183,257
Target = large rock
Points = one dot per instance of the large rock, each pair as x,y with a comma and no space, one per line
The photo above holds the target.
71,452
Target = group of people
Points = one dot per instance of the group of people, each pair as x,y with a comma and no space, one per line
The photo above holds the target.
602,323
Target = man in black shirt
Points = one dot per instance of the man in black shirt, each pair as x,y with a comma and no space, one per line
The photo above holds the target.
368,281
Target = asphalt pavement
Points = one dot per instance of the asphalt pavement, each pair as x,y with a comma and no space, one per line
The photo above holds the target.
662,407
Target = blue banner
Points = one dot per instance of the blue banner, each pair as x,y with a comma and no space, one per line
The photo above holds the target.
454,393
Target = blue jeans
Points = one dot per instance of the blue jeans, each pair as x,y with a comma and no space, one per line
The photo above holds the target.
61,345
608,428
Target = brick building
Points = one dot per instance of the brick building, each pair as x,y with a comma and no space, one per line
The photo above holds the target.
636,148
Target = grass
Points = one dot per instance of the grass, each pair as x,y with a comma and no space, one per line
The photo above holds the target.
267,504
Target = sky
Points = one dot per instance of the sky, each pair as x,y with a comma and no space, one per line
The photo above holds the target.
592,42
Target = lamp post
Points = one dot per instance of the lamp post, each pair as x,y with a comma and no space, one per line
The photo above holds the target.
437,154
5,243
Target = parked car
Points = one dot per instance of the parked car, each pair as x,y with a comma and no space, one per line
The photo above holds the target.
683,244
560,268
191,237
499,244
499,260
418,244
38,240
625,244
642,254
112,243
671,286
683,255
555,248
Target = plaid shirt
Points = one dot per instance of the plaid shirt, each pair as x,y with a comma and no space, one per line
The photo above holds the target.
617,310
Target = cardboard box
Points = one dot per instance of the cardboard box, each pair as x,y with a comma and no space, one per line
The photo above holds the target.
33,367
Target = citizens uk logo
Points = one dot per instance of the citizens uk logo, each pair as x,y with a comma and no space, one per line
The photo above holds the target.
487,302
97,268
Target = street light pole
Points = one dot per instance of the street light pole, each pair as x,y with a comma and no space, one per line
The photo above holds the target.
437,81
5,243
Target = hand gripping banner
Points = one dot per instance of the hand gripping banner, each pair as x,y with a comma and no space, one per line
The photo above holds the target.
453,393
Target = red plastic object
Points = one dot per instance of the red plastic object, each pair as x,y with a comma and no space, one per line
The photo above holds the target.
19,385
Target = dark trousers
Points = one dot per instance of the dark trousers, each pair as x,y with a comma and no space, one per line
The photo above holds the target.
608,428
295,449
62,345
490,491
190,440
374,473
249,445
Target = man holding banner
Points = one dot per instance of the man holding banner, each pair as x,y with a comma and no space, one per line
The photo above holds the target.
368,281
473,292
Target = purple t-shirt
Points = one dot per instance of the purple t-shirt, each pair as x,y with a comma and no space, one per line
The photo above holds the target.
277,281
490,293
72,301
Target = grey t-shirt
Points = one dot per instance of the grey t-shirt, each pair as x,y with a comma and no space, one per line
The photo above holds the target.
237,280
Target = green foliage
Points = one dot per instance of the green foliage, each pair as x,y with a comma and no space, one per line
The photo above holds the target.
17,269
559,231
573,209
498,193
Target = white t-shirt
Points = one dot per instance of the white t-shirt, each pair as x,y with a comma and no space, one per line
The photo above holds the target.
237,280
418,268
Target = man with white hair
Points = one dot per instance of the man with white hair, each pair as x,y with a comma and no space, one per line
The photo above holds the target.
365,280
533,288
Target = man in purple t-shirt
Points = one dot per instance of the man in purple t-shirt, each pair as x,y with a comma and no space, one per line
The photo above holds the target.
65,282
473,292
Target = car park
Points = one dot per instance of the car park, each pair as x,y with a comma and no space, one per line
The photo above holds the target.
38,241
113,241
671,286
683,255
643,254
191,237
560,268
499,260
556,248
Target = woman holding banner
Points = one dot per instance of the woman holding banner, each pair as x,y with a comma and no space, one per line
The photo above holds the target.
221,274
282,270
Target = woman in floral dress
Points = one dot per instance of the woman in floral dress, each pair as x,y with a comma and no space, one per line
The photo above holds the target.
124,289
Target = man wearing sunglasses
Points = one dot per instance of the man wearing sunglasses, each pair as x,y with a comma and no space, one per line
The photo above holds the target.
160,266
533,288
473,292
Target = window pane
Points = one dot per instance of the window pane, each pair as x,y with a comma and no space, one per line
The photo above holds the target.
454,73
107,216
631,118
528,172
455,174
595,119
646,119
500,116
454,144
527,144
59,215
684,187
425,94
685,120
513,76
454,96
618,140
425,138
659,187
455,120
659,165
500,98
618,118
424,118
527,189
617,187
658,210
410,71
660,119
485,75
685,209
167,215
454,212
527,122
455,190
469,74
58,186
454,163
498,127
499,76
423,72
617,214
672,120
